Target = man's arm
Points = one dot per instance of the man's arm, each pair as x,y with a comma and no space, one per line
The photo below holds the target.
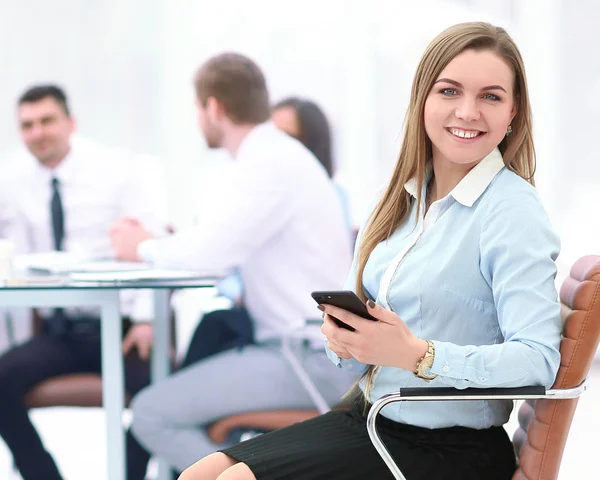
144,196
13,225
255,208
144,201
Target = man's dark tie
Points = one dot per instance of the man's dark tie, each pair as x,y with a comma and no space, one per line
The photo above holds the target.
57,215
58,322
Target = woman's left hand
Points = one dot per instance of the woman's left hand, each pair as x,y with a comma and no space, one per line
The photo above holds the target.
387,342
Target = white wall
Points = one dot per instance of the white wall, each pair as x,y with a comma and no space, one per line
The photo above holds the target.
128,68
576,98
103,53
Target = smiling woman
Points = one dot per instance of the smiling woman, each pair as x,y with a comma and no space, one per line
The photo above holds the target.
471,103
457,263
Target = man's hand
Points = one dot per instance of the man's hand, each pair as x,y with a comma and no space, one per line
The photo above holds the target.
140,336
125,235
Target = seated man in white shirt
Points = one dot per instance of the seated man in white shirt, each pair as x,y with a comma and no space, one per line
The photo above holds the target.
283,226
66,193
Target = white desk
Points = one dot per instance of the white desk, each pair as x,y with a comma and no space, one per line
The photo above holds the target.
106,296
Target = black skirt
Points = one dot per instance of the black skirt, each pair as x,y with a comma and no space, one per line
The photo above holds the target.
336,446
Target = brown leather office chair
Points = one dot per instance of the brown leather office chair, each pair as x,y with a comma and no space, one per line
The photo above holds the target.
72,390
545,417
262,421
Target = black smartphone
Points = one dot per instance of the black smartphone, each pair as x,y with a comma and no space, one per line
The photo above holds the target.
345,299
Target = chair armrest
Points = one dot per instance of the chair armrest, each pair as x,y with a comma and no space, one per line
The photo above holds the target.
453,394
425,394
467,392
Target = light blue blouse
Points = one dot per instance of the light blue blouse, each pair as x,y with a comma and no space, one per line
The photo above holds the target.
475,276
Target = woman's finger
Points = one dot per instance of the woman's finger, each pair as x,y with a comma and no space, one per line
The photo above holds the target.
349,318
338,350
328,326
380,313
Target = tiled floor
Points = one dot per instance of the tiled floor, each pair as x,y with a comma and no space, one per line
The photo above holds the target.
76,438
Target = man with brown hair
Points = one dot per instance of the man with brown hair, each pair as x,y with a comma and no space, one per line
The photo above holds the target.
237,84
282,225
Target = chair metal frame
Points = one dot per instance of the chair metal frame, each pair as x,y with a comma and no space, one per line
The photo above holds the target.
300,334
452,394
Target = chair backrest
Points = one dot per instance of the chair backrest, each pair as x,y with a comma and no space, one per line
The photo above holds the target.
544,425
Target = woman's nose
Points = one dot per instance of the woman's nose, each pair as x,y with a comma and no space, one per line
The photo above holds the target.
468,110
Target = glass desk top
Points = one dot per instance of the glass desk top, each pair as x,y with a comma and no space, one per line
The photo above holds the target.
28,281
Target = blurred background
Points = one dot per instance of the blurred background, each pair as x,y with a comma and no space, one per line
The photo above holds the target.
127,67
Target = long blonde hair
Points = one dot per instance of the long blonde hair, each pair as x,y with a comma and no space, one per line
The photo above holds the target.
517,149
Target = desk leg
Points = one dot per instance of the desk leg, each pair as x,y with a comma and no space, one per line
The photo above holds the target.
161,365
113,384
160,353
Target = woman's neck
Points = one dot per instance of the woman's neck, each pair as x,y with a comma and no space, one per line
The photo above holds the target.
446,176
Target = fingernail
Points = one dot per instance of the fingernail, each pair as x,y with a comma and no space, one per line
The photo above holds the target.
321,307
371,304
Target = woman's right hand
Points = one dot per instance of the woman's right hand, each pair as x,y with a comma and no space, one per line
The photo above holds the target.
334,346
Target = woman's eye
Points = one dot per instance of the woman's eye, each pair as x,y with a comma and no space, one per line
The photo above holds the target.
491,96
449,92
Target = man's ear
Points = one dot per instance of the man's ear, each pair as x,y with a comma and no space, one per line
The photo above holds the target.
214,109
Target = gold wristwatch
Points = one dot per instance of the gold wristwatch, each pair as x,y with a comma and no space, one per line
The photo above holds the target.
425,364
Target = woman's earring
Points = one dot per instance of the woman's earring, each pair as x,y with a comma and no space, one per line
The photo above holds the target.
509,131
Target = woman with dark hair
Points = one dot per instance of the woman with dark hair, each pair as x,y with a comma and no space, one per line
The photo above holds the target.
305,121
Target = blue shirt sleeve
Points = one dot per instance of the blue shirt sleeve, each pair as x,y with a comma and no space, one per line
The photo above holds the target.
518,251
351,364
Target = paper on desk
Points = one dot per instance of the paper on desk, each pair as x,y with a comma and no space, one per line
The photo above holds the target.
98,266
65,262
50,262
141,275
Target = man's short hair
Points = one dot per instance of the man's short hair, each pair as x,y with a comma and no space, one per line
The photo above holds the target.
238,84
39,92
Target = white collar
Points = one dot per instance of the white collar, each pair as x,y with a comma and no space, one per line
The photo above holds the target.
472,186
255,136
64,172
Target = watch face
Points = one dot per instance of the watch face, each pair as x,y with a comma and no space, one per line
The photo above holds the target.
428,376
427,363
424,368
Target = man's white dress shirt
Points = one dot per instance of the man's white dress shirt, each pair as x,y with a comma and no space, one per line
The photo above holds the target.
280,221
98,185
